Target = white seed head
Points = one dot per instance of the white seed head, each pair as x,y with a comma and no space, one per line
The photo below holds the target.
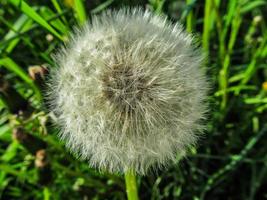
129,92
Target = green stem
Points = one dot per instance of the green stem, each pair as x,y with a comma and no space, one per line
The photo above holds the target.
131,189
207,24
189,18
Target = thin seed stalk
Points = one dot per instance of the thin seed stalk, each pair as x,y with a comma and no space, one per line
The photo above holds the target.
131,187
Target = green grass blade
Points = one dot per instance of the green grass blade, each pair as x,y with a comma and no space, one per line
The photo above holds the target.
23,23
235,88
102,6
206,26
224,73
12,66
252,5
236,159
80,11
229,16
11,151
10,170
46,193
157,5
219,24
255,100
251,68
47,14
30,12
59,10
190,16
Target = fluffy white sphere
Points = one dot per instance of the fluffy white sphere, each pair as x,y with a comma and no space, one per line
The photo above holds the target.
129,92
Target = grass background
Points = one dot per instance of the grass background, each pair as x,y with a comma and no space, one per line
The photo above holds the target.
231,160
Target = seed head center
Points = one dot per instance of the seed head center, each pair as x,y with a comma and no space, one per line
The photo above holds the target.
123,86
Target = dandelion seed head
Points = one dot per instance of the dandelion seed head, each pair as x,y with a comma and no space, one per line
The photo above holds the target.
129,92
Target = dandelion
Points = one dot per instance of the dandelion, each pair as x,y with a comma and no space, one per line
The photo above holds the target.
128,92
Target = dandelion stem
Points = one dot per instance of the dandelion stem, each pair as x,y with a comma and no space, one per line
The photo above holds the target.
131,188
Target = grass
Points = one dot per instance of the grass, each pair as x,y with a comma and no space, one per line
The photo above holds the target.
230,162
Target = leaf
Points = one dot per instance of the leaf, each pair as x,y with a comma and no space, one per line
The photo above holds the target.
4,181
80,11
5,132
59,10
235,88
252,5
255,100
46,193
102,6
10,152
23,23
12,66
231,11
46,13
31,13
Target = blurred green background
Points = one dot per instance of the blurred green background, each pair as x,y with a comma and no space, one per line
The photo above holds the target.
231,160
